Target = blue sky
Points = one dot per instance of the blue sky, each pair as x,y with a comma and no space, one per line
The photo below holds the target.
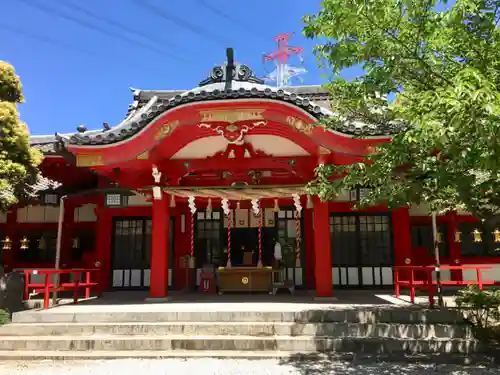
84,76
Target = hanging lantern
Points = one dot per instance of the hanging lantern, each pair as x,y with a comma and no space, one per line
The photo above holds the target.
24,243
310,203
76,243
439,237
477,236
172,201
42,244
496,235
209,206
458,236
276,206
7,243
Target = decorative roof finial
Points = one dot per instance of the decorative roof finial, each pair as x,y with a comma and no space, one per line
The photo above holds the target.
231,71
81,128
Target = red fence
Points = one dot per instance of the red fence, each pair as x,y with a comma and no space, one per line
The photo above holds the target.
428,284
48,286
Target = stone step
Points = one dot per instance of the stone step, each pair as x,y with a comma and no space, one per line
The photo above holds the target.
240,343
393,315
285,356
412,331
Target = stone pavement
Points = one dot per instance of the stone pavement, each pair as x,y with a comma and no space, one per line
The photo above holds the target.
234,367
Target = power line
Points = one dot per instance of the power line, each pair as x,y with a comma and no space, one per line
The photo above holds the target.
119,25
55,11
58,43
228,17
45,39
201,31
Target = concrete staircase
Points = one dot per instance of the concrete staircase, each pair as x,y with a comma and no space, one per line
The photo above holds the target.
393,333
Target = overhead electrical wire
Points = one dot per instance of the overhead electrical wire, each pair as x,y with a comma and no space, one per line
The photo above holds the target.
57,12
230,18
58,43
162,13
119,25
45,39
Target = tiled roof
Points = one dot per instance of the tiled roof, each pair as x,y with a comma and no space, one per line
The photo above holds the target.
48,144
33,190
148,104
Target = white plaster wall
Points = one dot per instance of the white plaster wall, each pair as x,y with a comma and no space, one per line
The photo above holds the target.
270,144
492,274
275,146
419,210
138,200
38,214
85,213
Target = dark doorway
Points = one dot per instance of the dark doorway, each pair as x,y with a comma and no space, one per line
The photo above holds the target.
247,240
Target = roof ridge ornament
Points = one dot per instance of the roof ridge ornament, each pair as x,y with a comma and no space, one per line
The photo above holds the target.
231,71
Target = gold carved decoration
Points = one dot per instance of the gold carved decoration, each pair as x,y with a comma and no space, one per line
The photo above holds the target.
143,156
299,125
244,280
232,116
166,129
89,160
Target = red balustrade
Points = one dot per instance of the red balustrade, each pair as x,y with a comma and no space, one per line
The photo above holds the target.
429,285
48,286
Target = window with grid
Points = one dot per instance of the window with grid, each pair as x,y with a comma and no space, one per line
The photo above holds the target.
130,244
375,240
344,243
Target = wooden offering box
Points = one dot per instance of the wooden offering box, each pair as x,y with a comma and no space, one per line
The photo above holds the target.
245,279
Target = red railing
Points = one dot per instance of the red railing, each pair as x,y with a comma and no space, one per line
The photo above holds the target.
429,285
48,286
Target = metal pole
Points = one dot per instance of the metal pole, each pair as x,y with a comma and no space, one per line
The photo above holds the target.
437,262
58,248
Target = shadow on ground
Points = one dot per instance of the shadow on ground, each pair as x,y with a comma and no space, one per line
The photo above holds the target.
348,365
359,297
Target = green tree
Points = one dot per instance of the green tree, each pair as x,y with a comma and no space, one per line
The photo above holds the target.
431,68
18,161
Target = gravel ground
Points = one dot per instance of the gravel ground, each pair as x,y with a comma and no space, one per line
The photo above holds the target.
230,367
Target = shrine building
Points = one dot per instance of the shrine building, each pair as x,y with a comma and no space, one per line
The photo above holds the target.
214,177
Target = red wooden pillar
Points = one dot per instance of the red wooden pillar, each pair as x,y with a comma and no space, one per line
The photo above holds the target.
402,239
104,228
309,248
159,248
322,249
454,246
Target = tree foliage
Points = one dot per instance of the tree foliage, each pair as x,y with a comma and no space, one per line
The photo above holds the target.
433,66
18,161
